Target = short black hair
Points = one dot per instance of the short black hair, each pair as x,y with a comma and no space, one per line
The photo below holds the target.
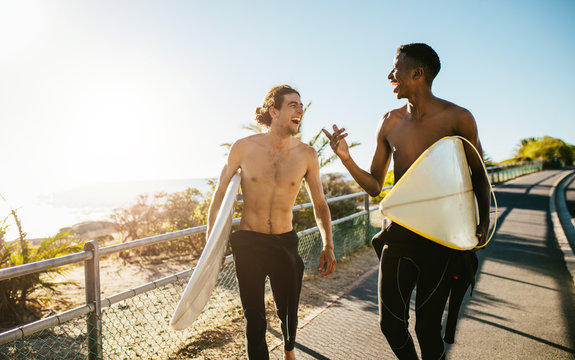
422,55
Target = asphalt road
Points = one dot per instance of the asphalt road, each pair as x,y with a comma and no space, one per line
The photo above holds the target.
523,305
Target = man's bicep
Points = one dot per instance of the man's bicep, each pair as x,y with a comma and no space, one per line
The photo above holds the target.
381,157
231,167
468,129
313,181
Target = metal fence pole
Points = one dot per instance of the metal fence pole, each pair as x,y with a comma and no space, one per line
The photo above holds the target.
368,221
94,321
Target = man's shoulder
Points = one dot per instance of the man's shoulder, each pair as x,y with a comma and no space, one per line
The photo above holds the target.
251,139
458,112
245,145
301,146
389,119
394,115
461,119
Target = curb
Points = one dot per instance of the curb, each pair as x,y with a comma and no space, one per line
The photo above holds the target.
562,225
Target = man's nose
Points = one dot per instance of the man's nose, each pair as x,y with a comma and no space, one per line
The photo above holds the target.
389,76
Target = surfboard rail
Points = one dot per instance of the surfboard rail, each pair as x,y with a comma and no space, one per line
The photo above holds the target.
203,279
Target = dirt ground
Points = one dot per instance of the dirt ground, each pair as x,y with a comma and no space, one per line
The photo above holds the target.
226,342
116,276
223,342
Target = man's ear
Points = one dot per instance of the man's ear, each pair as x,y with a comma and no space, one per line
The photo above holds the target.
273,111
418,73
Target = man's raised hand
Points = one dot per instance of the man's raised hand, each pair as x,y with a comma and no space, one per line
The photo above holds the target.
337,142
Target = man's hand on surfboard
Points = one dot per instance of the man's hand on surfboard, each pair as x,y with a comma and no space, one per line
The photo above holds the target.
481,233
327,260
337,142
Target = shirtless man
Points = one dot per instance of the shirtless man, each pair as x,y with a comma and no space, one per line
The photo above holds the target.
272,166
409,259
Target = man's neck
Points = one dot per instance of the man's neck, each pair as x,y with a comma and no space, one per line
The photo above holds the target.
279,139
421,103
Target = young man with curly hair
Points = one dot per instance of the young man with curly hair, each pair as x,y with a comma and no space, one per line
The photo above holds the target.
407,259
272,166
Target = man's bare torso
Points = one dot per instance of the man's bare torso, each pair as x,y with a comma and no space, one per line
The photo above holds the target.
408,138
270,181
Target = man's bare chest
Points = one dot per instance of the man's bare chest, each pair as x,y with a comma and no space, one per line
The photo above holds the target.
274,167
409,140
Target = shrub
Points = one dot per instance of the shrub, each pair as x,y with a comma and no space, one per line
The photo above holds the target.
17,295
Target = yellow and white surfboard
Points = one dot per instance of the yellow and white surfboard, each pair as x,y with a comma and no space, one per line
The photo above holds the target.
435,199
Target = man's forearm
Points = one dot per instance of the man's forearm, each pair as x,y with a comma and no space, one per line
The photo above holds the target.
323,220
213,211
483,195
364,179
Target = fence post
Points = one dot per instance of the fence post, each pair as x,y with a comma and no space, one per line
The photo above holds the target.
94,321
368,221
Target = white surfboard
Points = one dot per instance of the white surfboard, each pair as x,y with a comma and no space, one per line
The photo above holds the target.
203,280
435,199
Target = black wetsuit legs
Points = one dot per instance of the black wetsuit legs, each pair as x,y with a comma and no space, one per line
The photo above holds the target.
259,255
423,264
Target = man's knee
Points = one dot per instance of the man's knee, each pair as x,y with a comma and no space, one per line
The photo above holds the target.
394,330
255,322
424,328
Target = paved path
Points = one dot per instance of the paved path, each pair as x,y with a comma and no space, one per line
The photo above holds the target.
523,306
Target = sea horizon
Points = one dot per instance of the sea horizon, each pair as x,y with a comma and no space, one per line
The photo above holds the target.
43,215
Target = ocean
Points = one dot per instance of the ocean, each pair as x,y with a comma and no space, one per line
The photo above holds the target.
43,215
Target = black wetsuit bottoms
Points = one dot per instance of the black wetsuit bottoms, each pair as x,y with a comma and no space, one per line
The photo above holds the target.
256,256
409,260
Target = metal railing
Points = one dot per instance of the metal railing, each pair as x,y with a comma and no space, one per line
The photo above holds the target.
103,328
502,173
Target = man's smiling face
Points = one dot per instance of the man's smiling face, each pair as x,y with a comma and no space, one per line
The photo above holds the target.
291,112
400,75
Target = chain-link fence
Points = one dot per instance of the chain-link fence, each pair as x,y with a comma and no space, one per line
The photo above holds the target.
135,324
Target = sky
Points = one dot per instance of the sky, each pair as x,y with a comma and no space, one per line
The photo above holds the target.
99,91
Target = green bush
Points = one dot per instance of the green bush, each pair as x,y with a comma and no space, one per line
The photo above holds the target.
553,151
18,301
